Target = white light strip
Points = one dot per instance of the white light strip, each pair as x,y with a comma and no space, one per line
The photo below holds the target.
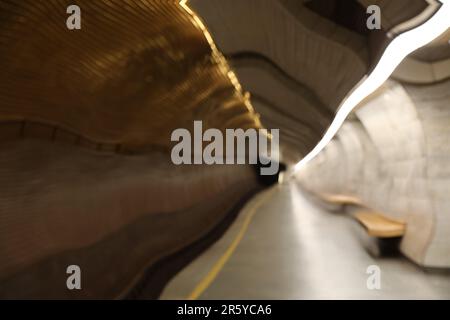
394,54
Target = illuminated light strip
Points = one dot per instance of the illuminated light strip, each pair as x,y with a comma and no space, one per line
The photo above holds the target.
398,49
223,64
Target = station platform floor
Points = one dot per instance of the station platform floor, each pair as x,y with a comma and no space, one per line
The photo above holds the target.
284,245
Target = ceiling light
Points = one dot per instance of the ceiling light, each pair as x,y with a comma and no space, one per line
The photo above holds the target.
398,49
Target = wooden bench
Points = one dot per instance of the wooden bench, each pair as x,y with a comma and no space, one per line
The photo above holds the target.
341,199
376,224
379,234
380,226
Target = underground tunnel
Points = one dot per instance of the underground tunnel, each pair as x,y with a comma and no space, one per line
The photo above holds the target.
212,149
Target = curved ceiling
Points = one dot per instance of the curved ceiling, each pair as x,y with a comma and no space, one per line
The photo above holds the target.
299,59
119,81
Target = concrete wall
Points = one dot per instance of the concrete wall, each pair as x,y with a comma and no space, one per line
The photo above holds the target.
395,158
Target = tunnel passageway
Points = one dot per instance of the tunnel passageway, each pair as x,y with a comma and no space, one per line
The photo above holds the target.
294,248
130,148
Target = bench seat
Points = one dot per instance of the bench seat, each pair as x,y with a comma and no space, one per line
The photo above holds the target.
380,226
341,199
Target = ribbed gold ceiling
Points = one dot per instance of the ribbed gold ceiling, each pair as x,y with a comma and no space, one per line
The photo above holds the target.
134,72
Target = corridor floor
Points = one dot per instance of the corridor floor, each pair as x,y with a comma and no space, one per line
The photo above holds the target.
286,246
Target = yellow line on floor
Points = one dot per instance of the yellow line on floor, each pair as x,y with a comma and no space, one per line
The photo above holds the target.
215,270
